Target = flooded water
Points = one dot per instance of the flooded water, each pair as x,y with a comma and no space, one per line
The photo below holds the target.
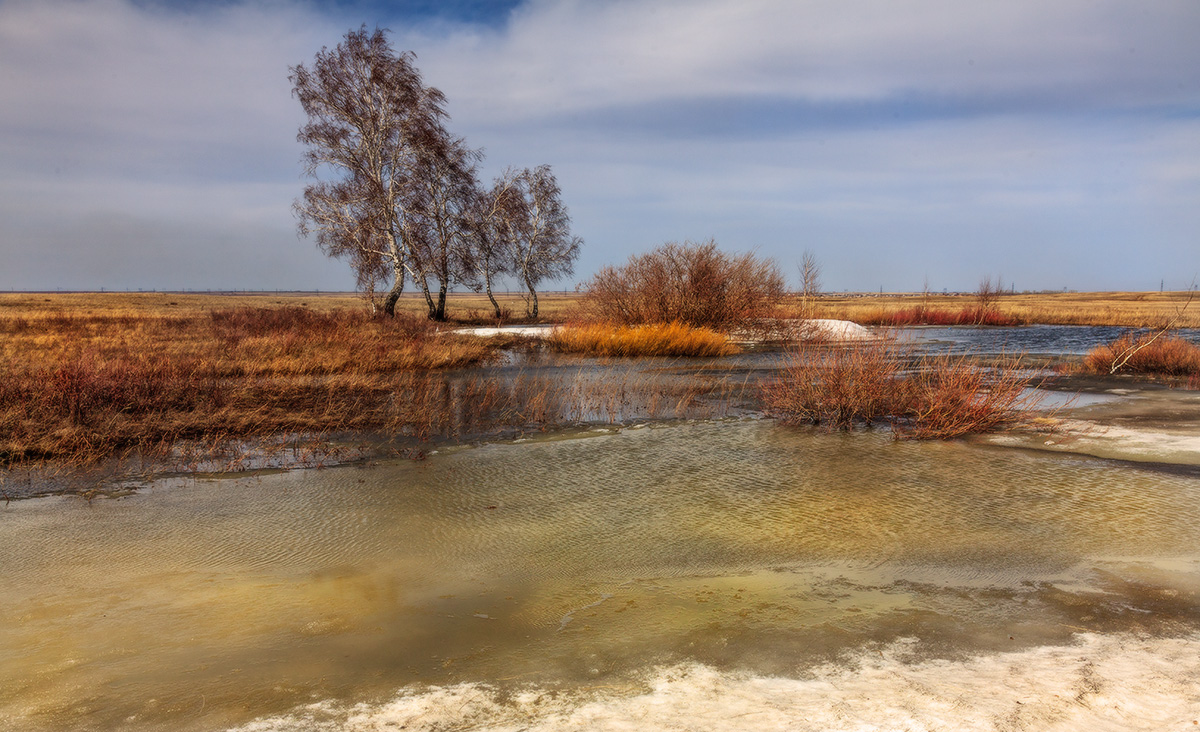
727,574
1071,340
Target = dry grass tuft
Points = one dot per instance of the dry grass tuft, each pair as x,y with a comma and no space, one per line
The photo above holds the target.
1151,354
672,339
937,397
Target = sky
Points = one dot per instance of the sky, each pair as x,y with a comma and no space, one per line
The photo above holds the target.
150,144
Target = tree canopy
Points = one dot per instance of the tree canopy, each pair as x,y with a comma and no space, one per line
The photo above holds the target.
397,195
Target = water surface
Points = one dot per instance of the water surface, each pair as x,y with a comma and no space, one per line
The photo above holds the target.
678,574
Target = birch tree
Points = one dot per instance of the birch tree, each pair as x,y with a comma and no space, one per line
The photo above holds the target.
442,221
495,213
370,123
539,228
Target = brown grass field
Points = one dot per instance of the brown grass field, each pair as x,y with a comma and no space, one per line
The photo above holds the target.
462,307
1127,309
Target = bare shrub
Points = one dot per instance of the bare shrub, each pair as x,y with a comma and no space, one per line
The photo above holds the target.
953,396
839,385
694,284
937,397
810,283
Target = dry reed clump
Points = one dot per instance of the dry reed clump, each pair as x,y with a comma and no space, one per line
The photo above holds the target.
937,397
1154,354
694,284
670,339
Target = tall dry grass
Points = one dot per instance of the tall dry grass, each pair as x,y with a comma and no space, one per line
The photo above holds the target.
938,397
78,388
81,387
920,315
666,339
1154,354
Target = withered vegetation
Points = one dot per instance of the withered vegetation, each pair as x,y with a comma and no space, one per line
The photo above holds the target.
1152,354
76,389
921,397
655,339
689,283
79,387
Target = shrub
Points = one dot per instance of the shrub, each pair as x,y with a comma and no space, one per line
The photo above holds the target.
694,284
838,385
936,397
1151,353
952,396
671,339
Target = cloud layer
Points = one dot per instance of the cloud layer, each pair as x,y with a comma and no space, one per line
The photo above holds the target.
1058,145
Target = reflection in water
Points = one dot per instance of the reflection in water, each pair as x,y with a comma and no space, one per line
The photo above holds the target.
604,570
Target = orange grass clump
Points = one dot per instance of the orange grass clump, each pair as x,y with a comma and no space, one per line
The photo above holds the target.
938,397
1151,354
671,339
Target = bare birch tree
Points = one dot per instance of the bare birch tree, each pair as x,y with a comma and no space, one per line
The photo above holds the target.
491,255
539,228
370,121
442,220
810,282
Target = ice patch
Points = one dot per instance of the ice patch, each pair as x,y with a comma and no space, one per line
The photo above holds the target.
1116,682
837,330
1123,443
527,331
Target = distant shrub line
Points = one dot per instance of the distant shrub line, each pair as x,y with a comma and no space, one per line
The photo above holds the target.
970,315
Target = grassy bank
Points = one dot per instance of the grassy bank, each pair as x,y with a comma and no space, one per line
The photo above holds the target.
461,307
84,376
79,386
84,379
1125,309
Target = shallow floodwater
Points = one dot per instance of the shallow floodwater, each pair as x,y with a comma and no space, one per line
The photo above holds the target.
1029,339
696,575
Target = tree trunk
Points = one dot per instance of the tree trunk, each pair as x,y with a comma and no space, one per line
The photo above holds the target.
389,304
428,299
440,313
487,280
532,312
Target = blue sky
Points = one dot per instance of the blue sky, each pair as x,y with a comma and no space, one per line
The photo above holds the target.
151,144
